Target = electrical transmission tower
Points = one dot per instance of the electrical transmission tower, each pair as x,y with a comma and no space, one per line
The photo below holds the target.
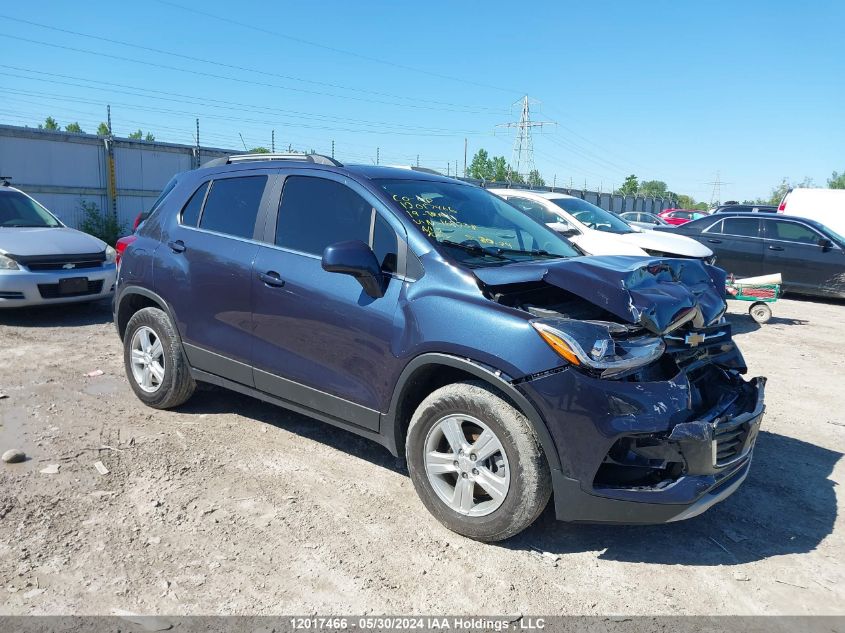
522,161
716,196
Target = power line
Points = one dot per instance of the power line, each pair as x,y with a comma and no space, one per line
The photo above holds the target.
101,38
228,20
235,79
221,104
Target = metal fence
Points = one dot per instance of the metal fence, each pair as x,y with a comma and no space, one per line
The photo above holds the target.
609,201
62,170
125,176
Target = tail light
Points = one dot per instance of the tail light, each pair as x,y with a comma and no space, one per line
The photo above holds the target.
782,206
137,221
121,245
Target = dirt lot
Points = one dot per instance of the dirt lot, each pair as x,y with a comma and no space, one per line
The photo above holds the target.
229,505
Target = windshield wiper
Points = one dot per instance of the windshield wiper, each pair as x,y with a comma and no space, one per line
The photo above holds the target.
477,250
520,251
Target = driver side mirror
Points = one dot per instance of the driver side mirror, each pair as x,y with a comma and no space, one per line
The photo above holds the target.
826,244
358,260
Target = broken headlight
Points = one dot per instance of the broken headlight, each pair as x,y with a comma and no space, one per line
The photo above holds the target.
606,348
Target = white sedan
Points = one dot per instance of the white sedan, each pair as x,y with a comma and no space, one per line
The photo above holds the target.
599,232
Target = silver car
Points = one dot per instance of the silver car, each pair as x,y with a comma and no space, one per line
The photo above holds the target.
44,262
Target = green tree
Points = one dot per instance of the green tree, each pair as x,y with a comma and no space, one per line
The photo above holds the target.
49,124
535,179
501,170
837,180
103,130
630,187
481,166
139,135
654,188
259,150
74,127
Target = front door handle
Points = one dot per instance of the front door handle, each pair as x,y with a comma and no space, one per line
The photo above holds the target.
177,246
775,248
715,241
272,278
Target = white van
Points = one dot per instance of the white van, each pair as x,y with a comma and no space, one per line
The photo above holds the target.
822,205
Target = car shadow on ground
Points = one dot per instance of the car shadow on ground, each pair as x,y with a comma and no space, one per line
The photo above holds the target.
743,323
70,314
786,506
213,399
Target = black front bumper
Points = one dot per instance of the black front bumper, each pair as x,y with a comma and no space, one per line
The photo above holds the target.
698,436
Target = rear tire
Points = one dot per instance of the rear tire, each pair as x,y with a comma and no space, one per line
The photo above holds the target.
476,463
155,363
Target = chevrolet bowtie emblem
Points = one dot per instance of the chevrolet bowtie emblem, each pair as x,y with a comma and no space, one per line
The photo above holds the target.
69,266
694,339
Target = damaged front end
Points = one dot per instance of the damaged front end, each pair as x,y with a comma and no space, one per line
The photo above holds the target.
650,414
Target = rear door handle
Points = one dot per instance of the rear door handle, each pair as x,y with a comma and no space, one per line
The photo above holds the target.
775,248
272,278
177,247
715,241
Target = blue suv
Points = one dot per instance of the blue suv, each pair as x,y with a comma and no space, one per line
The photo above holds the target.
433,317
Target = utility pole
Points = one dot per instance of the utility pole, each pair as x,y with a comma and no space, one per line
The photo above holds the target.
465,157
418,160
273,141
332,148
554,181
112,177
523,144
198,143
378,149
456,169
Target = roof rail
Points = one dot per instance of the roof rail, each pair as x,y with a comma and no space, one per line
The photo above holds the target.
424,170
246,158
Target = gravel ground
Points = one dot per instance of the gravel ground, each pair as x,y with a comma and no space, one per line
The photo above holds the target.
230,505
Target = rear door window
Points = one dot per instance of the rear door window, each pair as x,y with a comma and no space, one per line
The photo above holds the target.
232,205
536,211
742,227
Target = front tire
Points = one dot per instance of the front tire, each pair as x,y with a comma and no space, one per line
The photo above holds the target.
155,363
476,463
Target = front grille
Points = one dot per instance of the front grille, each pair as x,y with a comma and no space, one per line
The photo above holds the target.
729,443
51,291
11,295
61,262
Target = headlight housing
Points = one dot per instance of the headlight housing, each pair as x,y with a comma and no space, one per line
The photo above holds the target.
111,254
7,263
598,346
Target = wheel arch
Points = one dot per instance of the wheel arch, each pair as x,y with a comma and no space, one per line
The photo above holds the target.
134,298
430,371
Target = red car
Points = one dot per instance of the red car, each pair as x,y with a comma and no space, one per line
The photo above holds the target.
681,216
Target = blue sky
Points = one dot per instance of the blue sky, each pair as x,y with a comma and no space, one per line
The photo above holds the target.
675,91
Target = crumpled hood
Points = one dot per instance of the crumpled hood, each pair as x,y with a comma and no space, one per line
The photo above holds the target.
26,241
659,294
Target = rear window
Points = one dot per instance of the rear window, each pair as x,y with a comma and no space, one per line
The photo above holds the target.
232,205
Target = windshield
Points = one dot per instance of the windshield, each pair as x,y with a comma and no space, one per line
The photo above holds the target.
16,209
476,227
592,216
